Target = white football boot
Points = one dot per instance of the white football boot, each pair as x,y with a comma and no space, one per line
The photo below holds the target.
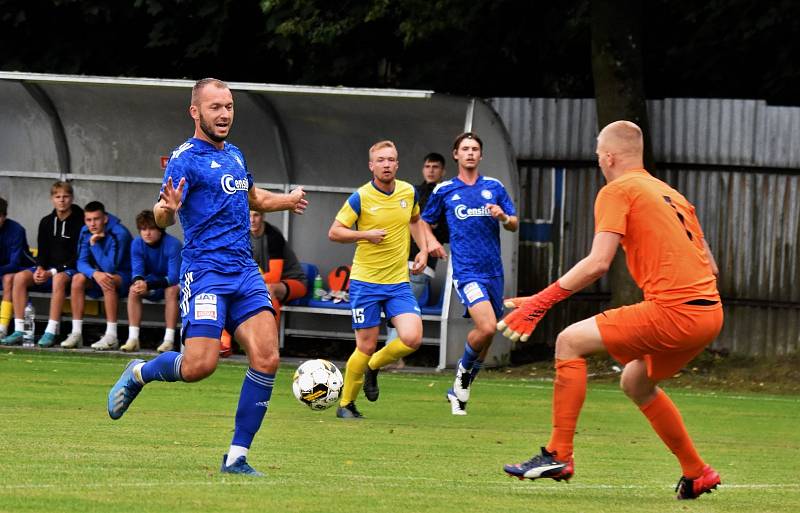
132,344
106,343
73,341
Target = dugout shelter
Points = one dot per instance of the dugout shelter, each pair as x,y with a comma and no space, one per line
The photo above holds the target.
110,136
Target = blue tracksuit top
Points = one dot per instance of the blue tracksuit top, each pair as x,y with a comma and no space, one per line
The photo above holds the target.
13,247
111,254
162,259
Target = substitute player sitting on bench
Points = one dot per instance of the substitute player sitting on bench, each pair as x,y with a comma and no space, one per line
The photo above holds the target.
156,266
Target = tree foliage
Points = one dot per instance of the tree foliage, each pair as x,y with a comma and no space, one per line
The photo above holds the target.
717,48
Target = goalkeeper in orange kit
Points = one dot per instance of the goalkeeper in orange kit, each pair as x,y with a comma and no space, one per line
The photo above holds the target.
669,259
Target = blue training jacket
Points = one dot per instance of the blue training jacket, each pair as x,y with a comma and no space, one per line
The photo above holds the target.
111,254
162,260
13,247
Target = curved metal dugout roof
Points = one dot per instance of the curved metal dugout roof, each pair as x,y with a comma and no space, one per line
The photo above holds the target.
108,135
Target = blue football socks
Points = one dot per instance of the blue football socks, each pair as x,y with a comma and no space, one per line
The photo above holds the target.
469,357
164,367
253,404
476,368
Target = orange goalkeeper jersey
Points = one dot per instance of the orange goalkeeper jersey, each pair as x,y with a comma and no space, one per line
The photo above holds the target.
661,236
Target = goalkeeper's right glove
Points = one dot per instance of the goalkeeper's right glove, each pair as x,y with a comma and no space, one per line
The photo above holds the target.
519,324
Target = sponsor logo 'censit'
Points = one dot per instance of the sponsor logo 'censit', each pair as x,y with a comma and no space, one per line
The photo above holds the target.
230,186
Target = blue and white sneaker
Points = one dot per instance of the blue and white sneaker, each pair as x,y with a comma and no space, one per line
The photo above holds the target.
240,466
48,340
124,391
456,407
13,339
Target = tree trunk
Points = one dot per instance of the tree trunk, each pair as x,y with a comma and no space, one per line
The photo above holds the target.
617,69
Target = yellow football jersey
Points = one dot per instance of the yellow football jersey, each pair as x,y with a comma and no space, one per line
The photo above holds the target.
369,208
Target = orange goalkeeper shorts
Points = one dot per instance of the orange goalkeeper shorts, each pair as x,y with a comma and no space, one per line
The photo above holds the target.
666,338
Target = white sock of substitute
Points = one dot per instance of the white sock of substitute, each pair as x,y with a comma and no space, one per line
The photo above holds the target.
169,335
52,327
234,452
77,326
133,332
19,324
111,328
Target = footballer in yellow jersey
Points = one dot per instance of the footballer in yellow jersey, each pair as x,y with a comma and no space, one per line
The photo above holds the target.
378,217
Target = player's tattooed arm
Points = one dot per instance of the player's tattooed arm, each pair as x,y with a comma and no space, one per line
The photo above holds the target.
265,201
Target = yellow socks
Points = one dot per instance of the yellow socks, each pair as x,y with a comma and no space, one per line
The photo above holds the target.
6,313
354,377
391,352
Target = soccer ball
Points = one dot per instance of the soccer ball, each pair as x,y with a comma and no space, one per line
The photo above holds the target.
317,384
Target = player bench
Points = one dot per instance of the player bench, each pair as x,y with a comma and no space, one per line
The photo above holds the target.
308,317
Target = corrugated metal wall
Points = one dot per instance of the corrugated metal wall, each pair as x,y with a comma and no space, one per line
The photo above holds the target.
738,161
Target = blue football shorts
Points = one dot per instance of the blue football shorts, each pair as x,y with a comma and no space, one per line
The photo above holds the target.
471,292
367,300
212,301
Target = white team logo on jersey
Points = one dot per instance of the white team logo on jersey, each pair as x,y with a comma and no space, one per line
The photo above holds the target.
486,194
403,203
462,212
455,197
214,164
230,186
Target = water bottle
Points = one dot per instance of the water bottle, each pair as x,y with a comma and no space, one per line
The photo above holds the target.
30,325
318,290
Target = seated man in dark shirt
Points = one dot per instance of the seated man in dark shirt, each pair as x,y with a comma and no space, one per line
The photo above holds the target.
56,262
282,271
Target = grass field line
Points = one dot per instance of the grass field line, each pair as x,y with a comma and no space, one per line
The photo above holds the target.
386,481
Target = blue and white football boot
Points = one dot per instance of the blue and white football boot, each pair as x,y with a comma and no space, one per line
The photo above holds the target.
240,466
124,391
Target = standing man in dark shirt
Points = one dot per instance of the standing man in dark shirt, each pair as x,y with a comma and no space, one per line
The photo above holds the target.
433,169
432,172
56,261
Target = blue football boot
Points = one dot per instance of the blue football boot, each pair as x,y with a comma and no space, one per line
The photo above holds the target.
124,391
47,340
13,339
240,466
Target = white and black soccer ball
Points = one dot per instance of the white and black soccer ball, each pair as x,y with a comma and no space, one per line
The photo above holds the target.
317,384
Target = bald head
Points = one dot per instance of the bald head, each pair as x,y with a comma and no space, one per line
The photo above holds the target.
202,84
620,147
622,137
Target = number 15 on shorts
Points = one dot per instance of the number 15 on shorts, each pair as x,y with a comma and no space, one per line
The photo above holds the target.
358,315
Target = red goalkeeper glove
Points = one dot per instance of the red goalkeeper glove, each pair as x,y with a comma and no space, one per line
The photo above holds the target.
519,324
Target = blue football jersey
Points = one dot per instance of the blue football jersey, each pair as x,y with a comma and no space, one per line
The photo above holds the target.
215,211
474,233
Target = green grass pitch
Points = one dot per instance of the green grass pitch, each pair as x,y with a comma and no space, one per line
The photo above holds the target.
61,452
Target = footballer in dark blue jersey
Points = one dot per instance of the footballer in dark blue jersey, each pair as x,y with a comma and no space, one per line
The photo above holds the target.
208,185
475,207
